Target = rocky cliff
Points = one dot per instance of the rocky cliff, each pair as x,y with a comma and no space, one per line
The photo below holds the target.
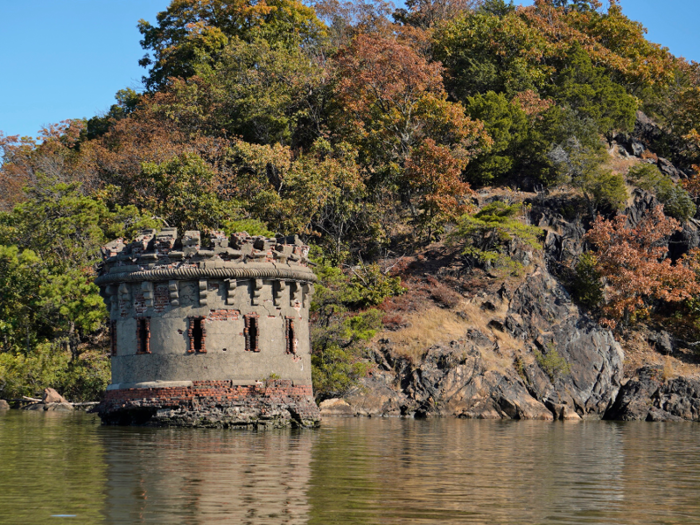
521,348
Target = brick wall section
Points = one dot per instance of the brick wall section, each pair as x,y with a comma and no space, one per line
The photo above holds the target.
251,332
223,315
210,399
161,300
139,301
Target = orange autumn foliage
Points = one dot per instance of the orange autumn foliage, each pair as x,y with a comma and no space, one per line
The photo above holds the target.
634,264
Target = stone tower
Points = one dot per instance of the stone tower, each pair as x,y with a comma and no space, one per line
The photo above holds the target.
208,336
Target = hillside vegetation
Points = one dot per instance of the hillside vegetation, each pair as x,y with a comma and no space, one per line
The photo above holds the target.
383,136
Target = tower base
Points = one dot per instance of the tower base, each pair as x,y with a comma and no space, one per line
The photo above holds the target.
213,404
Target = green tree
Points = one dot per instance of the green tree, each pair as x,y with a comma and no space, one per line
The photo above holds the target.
507,125
262,93
492,49
193,32
339,334
49,246
592,94
494,234
179,192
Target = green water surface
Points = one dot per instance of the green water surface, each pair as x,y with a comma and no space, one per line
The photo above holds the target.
66,468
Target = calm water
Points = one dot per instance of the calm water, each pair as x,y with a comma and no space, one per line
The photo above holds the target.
66,468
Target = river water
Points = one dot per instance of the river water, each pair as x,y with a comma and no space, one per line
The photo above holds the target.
66,468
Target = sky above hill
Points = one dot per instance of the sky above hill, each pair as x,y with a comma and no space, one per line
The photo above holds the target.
67,59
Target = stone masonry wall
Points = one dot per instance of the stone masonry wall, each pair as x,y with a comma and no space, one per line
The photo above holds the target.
218,404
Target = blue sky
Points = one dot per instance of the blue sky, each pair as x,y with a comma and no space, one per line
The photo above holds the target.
66,59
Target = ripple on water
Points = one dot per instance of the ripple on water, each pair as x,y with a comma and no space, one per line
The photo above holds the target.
386,471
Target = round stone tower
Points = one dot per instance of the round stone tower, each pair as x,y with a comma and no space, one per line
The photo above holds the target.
208,336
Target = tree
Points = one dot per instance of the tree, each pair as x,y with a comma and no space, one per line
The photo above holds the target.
194,32
427,14
261,93
127,102
492,51
20,322
590,92
54,153
633,262
180,193
494,234
436,189
390,103
507,124
55,236
580,166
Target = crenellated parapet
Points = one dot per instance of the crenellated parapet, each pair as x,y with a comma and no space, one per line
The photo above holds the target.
160,256
211,309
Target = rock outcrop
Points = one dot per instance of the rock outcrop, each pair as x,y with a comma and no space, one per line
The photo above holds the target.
570,366
649,397
4,405
51,401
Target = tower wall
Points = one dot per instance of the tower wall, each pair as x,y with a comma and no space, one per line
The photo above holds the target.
214,336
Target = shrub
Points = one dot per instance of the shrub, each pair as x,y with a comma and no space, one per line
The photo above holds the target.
635,265
553,364
676,200
83,379
493,233
580,165
587,284
339,336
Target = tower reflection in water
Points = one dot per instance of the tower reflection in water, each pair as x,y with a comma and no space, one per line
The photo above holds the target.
207,476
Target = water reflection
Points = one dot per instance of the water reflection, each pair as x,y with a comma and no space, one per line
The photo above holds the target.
449,471
207,476
350,471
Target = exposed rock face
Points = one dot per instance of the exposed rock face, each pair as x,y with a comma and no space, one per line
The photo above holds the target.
541,311
457,380
453,381
4,405
649,398
336,407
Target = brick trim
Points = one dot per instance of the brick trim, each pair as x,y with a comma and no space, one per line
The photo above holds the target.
252,340
192,348
143,323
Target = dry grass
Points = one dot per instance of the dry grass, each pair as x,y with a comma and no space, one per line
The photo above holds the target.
619,164
638,353
434,325
425,329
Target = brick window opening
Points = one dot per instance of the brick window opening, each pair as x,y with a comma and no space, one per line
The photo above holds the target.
251,333
289,336
113,338
143,335
197,334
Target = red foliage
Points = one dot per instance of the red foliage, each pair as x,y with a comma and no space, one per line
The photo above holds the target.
635,265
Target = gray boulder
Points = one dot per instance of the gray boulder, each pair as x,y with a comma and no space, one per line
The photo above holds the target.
648,397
